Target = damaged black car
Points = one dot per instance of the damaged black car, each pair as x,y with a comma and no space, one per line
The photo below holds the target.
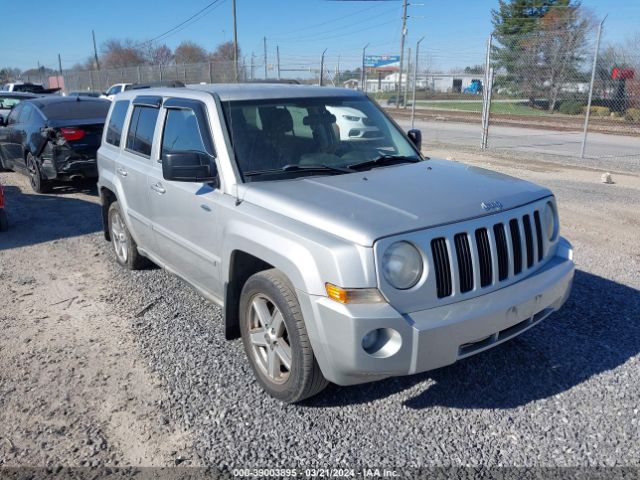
53,139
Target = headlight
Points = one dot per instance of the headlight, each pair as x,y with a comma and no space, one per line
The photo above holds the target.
351,118
550,220
402,265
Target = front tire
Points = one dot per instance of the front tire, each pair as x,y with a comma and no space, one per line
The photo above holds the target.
275,338
125,247
38,184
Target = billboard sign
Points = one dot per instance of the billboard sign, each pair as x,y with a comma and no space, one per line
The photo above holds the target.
382,61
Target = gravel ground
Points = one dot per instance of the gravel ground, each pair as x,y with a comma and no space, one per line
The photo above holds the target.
565,393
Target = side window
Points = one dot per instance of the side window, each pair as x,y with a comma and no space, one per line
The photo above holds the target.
114,90
182,132
27,113
141,128
14,114
116,122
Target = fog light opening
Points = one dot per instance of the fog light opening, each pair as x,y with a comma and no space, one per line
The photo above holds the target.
382,342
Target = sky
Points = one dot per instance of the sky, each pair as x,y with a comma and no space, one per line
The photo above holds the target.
455,31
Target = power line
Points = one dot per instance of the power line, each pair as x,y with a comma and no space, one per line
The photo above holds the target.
182,23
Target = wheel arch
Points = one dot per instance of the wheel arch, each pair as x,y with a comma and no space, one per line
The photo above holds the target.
107,197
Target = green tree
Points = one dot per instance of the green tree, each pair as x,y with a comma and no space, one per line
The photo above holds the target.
519,39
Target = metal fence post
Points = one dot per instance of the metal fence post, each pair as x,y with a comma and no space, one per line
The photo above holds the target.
486,95
593,78
415,81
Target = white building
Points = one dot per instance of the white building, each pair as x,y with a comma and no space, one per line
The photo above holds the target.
436,82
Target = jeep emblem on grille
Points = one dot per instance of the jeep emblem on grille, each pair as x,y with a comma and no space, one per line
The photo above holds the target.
492,206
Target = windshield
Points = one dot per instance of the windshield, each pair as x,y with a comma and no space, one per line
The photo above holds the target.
284,138
7,103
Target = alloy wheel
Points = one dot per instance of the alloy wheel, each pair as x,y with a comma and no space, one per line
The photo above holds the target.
269,339
119,236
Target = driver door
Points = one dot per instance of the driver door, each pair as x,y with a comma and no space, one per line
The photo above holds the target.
185,215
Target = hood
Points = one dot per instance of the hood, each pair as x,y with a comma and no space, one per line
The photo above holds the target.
365,206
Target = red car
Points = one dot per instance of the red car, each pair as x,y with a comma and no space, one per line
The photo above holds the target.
4,223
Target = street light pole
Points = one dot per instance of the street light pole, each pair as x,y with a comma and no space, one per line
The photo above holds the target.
235,42
322,66
363,78
402,37
415,79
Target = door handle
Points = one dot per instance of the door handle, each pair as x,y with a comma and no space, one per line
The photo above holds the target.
157,187
122,172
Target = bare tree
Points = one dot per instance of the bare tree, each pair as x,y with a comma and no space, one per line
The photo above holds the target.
119,53
160,55
190,52
563,48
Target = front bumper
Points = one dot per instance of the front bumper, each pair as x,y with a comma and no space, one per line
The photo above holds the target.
435,337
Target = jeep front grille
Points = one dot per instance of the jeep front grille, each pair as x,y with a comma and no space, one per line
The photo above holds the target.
487,256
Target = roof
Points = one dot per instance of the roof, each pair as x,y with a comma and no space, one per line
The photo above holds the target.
248,91
43,101
5,93
259,91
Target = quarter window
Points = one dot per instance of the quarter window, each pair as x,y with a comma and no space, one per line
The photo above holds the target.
141,128
182,132
116,122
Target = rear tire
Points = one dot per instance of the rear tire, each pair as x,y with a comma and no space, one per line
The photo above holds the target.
4,221
125,247
275,338
38,184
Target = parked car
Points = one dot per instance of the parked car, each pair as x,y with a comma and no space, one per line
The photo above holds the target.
395,99
4,221
342,261
28,87
53,138
84,93
353,124
115,89
8,100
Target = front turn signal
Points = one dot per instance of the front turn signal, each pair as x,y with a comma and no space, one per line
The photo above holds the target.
353,295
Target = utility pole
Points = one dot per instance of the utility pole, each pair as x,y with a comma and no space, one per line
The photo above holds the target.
95,50
415,81
253,66
363,77
593,79
406,83
322,66
338,71
235,42
265,57
40,72
402,37
278,59
60,70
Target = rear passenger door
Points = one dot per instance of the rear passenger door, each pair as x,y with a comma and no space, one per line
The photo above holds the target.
134,164
185,223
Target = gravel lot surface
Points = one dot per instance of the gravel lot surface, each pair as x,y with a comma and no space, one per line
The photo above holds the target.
99,365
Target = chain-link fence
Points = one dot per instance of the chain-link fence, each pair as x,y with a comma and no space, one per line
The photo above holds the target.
553,91
101,80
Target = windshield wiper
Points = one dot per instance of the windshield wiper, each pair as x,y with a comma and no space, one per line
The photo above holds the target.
299,168
384,160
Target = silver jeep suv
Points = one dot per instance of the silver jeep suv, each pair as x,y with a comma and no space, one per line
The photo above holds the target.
334,258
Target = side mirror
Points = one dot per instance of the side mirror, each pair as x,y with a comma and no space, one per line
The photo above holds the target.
415,136
189,167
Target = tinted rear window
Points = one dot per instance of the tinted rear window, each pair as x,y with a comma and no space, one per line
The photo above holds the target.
141,128
76,110
116,122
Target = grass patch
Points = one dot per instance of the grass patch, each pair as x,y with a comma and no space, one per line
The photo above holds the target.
509,108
